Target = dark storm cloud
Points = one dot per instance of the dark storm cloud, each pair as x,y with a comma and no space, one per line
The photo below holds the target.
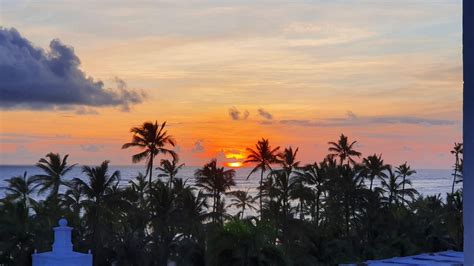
235,114
265,114
32,78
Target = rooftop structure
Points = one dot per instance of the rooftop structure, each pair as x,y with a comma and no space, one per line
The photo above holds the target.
439,258
62,253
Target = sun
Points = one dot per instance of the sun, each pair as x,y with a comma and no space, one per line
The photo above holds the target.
234,164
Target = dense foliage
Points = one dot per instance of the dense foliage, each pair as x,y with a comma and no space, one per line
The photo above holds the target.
322,213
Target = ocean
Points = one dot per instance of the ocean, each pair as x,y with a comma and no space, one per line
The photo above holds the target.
426,181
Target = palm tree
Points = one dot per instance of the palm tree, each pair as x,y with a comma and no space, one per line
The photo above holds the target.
344,150
374,167
288,159
193,210
242,199
311,177
17,233
215,180
54,170
20,188
240,242
139,187
163,221
457,150
71,200
170,169
100,193
263,156
152,139
404,171
394,189
282,184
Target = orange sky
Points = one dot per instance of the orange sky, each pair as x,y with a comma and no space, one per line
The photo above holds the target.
389,77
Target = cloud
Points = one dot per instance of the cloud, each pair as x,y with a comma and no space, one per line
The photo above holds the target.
407,148
81,110
354,120
266,122
351,115
91,147
410,120
14,137
235,114
297,122
265,114
32,78
198,147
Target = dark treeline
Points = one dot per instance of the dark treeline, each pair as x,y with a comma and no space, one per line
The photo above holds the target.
323,213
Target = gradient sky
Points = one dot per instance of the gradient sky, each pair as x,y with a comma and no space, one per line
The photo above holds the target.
226,73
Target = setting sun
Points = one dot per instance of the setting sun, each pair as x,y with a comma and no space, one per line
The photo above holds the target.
235,164
237,156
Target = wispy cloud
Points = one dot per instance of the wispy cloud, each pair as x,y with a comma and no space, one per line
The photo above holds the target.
235,114
198,147
91,147
81,110
353,120
265,114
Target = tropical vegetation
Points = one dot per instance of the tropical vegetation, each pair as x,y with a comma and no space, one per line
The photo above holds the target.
343,208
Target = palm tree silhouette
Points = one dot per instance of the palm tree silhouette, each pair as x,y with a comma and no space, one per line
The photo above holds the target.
169,169
242,199
395,189
20,188
263,156
139,186
344,150
152,139
313,182
404,171
288,159
71,200
283,184
374,167
216,181
100,192
457,150
54,170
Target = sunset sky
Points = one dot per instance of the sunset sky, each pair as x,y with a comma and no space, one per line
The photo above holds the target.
224,74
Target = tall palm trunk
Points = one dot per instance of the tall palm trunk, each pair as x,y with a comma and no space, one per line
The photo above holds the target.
150,169
214,206
218,204
347,217
403,189
455,172
301,210
95,235
371,182
170,181
317,209
260,196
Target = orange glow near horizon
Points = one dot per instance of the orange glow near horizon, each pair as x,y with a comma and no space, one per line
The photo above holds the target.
237,156
234,164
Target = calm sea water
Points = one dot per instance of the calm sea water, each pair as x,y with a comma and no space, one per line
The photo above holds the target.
426,181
